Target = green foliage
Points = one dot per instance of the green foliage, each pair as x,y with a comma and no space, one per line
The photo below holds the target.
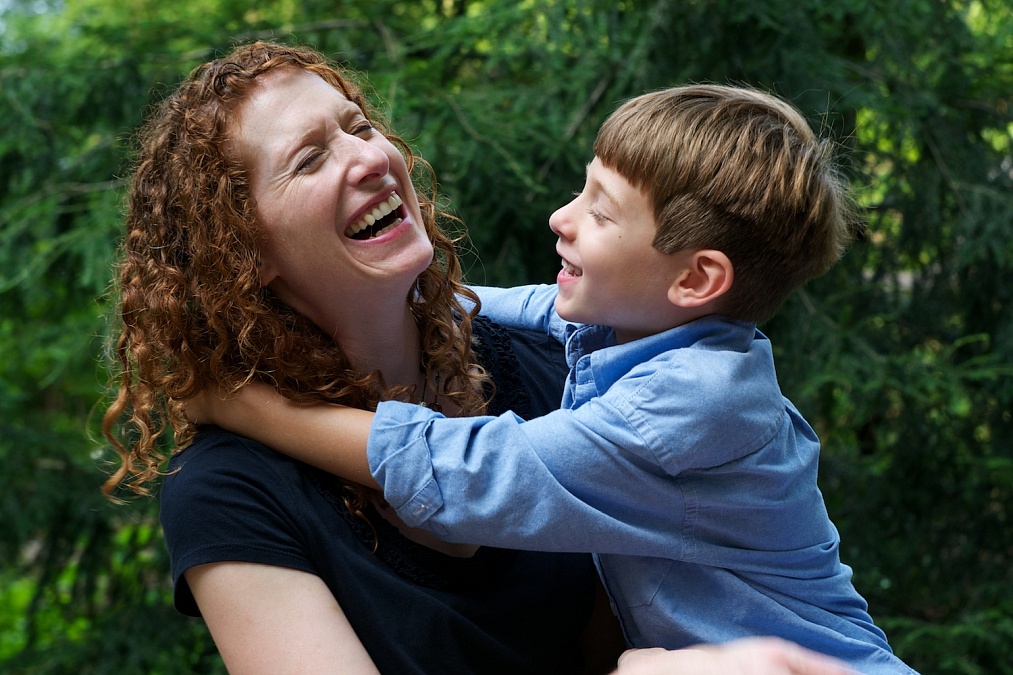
900,356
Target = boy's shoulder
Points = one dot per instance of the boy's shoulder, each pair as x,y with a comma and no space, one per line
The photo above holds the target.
699,374
715,390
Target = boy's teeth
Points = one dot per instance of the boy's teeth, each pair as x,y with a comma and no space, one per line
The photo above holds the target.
571,270
382,209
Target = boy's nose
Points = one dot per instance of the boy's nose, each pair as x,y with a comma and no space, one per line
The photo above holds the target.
559,222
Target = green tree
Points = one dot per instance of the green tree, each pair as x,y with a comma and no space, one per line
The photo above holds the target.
900,356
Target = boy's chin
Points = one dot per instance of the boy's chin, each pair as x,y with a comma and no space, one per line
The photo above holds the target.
567,312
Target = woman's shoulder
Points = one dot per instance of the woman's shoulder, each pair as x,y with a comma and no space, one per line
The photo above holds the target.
227,498
220,467
215,450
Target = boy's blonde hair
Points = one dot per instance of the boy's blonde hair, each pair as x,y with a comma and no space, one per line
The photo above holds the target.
740,171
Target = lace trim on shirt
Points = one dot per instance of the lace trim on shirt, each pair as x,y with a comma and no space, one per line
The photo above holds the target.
493,350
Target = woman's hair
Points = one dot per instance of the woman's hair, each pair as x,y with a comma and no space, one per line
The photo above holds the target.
740,171
192,313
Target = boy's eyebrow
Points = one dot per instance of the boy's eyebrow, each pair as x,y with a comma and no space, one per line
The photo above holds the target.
601,188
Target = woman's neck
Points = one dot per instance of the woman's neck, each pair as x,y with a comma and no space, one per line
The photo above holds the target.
387,342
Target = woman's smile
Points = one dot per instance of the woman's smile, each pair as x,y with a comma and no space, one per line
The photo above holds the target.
334,198
382,218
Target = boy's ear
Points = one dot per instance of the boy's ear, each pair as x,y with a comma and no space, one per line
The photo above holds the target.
707,275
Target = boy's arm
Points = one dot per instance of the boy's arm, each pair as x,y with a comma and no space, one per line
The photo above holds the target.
573,480
598,478
528,307
329,437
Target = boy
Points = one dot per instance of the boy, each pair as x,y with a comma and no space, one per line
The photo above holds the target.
675,458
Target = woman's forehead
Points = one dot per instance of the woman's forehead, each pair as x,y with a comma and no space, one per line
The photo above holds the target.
285,108
288,86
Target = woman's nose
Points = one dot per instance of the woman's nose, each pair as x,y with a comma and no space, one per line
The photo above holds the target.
369,162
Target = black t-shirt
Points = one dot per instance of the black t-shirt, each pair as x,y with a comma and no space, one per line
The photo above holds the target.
414,609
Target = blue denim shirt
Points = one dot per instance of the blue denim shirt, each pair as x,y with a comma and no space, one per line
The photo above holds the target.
675,459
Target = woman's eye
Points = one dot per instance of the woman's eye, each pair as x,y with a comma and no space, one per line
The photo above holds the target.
360,128
308,162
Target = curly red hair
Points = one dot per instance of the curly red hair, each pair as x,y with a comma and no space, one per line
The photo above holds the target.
192,313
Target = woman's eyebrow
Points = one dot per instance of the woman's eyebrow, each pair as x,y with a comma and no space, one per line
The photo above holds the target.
343,118
294,145
280,155
351,115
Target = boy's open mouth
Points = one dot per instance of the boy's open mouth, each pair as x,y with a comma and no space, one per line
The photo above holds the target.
385,215
572,271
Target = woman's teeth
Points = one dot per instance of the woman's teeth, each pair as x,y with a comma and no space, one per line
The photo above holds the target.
383,217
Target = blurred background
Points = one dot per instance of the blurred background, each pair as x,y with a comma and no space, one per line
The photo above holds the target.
902,356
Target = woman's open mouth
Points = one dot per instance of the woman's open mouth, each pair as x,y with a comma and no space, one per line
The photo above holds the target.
384,216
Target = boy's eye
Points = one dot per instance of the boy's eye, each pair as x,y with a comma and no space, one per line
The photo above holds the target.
598,216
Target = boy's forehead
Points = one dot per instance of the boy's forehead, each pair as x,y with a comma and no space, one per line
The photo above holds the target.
609,182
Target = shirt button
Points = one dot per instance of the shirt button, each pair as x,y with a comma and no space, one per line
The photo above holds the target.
420,509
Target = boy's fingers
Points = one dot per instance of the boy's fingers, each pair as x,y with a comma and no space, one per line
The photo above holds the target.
748,656
199,409
194,409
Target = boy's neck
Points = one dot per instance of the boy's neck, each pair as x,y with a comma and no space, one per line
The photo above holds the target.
687,316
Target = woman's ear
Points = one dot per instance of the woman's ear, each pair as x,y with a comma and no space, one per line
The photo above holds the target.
706,276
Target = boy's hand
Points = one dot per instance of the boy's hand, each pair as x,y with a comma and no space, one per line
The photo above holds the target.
199,409
747,656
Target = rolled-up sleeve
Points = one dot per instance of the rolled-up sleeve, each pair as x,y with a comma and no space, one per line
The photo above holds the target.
570,481
399,460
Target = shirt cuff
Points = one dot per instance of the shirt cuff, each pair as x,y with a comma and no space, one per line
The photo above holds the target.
400,461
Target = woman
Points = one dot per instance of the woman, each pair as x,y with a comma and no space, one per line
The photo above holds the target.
274,233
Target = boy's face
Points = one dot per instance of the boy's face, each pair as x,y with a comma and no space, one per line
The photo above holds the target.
612,275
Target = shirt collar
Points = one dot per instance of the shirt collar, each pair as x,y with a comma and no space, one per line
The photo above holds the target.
610,361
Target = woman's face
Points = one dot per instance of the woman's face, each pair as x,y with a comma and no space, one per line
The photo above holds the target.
342,227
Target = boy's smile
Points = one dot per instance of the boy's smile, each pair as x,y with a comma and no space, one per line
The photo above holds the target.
612,275
570,270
